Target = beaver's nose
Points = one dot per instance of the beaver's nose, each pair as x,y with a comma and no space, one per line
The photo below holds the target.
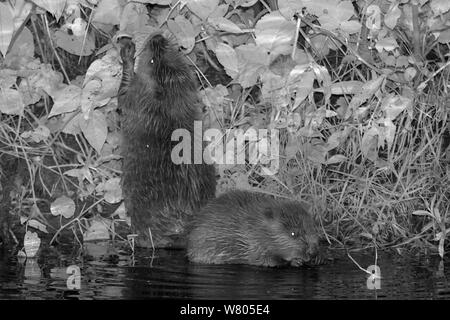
313,249
157,38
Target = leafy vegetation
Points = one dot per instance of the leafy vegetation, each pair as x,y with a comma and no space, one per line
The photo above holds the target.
358,90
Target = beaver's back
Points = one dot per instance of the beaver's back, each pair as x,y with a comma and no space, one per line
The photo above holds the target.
155,101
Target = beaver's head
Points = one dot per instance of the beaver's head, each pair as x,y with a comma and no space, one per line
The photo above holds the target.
161,61
294,236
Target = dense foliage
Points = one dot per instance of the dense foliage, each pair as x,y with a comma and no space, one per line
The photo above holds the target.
358,90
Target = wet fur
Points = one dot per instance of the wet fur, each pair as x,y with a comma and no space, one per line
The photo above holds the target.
241,227
156,100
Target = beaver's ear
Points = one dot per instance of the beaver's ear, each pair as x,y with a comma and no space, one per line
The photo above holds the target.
269,214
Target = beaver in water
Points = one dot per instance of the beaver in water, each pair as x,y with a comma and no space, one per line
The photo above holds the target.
157,99
242,227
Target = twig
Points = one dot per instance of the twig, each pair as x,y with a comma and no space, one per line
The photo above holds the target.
83,212
416,32
53,47
85,35
170,12
423,84
297,30
38,40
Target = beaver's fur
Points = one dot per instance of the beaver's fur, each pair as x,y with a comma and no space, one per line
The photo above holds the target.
242,227
156,100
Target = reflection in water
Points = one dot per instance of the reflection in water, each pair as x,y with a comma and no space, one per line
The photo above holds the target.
107,272
172,276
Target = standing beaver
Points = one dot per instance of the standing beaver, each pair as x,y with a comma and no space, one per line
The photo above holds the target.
156,100
242,227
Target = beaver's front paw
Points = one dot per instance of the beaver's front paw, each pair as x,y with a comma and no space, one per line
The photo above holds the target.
127,50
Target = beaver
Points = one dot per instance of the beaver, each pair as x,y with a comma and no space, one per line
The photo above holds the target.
243,227
157,99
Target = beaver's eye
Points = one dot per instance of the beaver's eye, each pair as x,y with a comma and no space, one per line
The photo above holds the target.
295,234
151,61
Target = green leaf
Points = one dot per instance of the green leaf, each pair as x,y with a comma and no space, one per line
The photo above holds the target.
183,30
31,243
107,70
441,247
73,126
111,189
393,105
63,206
373,17
387,43
41,133
387,131
337,158
245,3
82,174
273,86
47,79
227,57
422,213
134,19
55,7
220,11
275,33
89,95
94,129
223,24
369,143
337,138
301,82
108,12
20,10
22,51
346,87
37,225
392,15
316,152
202,8
440,7
214,97
6,27
158,2
80,46
289,7
121,213
333,13
66,100
11,102
367,90
350,27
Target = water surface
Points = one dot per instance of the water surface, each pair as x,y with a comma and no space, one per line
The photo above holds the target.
107,272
